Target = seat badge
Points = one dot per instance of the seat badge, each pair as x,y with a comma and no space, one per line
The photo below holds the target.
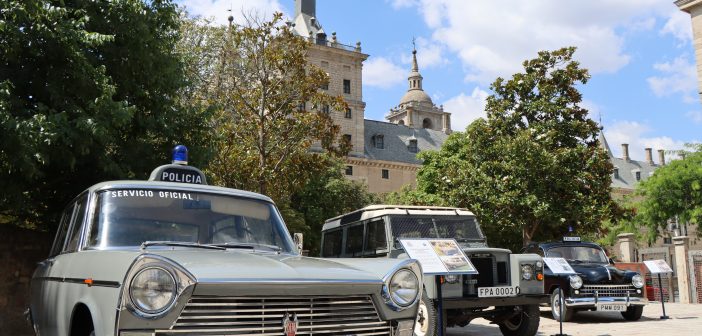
290,324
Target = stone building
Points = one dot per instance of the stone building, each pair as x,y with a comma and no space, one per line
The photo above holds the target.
694,8
383,154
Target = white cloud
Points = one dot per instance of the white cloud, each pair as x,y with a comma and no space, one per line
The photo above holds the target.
696,116
678,76
492,38
381,72
466,108
679,26
397,4
635,134
219,9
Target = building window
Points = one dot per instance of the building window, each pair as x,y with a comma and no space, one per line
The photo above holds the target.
385,174
379,141
347,138
349,170
347,86
325,64
667,240
412,147
325,108
638,175
426,123
347,114
616,172
301,107
325,86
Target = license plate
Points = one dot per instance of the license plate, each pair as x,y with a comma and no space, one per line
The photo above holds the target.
498,291
611,307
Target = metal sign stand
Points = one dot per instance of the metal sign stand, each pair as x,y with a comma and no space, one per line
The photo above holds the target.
660,288
561,302
440,308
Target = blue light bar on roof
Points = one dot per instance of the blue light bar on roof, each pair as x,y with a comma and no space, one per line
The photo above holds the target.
180,155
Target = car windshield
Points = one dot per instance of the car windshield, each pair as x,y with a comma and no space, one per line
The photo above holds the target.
130,217
578,253
462,228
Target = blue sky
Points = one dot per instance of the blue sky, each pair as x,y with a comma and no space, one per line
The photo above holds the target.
639,52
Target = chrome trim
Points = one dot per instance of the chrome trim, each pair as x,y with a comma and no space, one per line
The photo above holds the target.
291,281
411,265
593,301
262,315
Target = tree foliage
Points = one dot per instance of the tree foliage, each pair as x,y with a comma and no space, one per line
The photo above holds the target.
88,92
534,167
325,196
270,111
673,192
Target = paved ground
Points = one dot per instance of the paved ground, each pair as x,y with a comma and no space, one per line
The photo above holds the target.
685,319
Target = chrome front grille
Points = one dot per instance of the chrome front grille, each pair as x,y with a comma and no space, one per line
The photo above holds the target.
608,290
260,316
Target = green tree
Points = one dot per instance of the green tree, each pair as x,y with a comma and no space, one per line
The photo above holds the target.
534,167
673,192
272,119
88,92
325,196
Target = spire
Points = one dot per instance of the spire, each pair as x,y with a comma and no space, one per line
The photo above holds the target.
603,142
415,91
415,67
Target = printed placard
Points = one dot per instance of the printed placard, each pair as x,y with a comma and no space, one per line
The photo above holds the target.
439,256
559,266
658,266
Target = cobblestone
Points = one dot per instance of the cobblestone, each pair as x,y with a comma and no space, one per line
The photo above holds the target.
685,319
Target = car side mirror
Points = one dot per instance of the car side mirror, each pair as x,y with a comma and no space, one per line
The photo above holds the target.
611,261
298,239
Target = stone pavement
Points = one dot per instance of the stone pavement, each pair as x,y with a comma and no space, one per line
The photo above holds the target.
685,319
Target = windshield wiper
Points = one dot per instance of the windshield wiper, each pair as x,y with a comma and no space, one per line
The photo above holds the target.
179,243
251,246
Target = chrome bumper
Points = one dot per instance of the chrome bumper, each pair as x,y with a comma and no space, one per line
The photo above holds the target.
593,301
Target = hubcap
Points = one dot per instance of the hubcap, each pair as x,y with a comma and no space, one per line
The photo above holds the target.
515,322
422,325
556,306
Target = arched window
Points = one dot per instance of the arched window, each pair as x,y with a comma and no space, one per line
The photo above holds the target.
426,123
401,122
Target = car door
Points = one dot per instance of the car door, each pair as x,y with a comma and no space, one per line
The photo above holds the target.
42,307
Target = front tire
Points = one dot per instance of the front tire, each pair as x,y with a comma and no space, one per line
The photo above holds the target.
426,317
526,323
555,308
633,313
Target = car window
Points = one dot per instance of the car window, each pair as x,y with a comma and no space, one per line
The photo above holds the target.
129,217
354,240
332,243
60,239
77,224
458,227
578,253
376,241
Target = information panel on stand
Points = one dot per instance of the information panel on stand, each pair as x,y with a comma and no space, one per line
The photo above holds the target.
559,266
658,266
438,256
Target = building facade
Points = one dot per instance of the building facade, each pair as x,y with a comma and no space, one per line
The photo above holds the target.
384,153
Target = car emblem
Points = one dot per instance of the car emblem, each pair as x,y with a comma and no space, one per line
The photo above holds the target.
290,324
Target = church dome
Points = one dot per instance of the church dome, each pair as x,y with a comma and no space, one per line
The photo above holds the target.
415,96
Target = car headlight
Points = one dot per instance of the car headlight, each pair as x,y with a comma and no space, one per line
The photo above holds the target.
403,287
637,281
527,272
452,278
153,290
575,281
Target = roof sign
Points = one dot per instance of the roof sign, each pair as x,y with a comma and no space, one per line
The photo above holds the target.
571,239
178,171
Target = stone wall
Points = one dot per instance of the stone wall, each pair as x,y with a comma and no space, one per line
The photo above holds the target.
20,250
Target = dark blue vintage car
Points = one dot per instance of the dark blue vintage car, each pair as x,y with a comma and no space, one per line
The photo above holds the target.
599,285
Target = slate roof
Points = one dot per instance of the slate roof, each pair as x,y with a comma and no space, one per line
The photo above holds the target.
625,178
396,139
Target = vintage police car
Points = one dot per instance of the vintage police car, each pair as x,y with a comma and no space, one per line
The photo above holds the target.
137,258
507,289
599,285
